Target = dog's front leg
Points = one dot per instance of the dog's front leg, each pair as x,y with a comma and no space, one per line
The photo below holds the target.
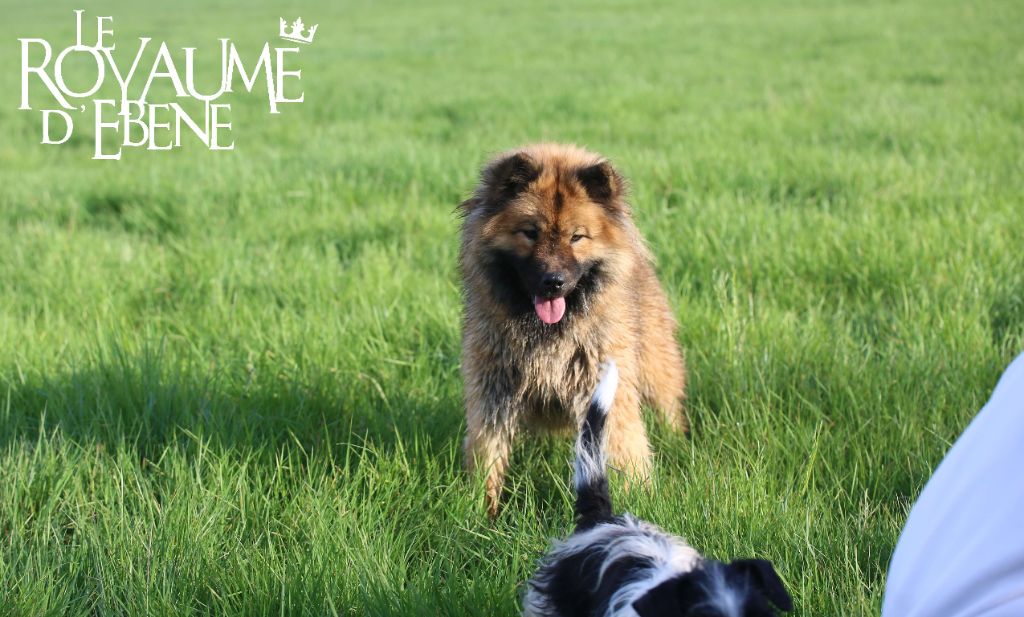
490,429
628,447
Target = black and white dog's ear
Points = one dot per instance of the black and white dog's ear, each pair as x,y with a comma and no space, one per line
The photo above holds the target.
761,573
661,601
676,596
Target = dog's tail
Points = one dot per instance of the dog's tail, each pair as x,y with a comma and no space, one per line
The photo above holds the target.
593,500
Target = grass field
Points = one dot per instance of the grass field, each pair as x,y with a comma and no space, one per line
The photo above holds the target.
229,381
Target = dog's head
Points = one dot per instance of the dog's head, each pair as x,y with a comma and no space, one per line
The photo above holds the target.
546,222
743,588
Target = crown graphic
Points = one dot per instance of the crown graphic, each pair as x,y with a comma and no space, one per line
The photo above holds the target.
296,32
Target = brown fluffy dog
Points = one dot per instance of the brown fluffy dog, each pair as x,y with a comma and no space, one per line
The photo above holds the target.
557,279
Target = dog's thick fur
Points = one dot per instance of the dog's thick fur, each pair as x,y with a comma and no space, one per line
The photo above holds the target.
558,213
621,566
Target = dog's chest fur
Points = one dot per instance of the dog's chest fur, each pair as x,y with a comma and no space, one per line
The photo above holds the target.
553,369
540,374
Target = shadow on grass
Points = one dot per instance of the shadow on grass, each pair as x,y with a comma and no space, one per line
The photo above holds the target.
147,403
339,481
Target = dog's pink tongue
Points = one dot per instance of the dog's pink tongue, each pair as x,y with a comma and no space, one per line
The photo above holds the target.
550,310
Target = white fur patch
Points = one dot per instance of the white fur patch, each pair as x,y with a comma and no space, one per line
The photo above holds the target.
591,463
671,556
588,466
604,395
728,600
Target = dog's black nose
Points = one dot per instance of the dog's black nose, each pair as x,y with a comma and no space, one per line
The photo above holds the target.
553,281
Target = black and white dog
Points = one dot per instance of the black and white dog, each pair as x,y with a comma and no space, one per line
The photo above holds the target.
620,566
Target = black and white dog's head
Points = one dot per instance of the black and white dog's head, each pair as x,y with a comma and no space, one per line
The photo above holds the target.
621,566
742,588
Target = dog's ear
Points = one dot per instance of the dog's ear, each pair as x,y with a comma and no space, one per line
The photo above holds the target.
505,178
674,597
603,184
661,601
761,573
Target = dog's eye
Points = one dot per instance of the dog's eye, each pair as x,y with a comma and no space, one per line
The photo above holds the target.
576,238
529,233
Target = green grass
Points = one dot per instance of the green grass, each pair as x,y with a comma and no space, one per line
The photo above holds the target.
229,381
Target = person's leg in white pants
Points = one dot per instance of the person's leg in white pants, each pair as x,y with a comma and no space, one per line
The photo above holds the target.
961,552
